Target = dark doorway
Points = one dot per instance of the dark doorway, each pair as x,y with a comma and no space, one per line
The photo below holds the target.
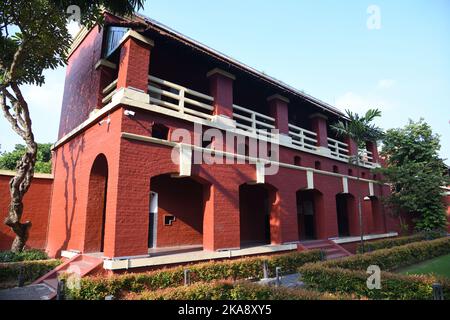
342,209
306,214
255,206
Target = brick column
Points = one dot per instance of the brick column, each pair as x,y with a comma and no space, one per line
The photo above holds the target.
352,146
108,73
319,126
283,217
372,147
278,107
221,222
134,62
221,89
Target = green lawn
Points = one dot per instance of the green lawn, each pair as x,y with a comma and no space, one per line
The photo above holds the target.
439,266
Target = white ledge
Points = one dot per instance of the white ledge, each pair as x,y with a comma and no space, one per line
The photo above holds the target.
365,237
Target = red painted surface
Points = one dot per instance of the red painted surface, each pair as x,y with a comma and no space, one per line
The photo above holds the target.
221,89
36,210
319,126
134,65
279,111
447,201
372,147
352,147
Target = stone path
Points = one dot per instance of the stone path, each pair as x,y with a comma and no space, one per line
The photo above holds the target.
31,292
288,281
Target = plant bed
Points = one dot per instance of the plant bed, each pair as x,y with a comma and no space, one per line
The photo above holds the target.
98,287
228,290
31,270
26,255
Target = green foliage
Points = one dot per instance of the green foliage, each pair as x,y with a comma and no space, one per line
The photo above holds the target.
32,270
227,290
416,173
393,286
93,288
9,160
26,255
359,128
396,257
400,241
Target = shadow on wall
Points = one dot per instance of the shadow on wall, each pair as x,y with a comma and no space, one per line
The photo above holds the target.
75,149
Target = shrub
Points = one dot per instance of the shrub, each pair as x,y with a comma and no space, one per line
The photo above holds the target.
32,270
396,257
393,286
400,241
227,290
26,255
92,288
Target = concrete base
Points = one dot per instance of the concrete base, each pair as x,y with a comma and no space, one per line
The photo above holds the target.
195,256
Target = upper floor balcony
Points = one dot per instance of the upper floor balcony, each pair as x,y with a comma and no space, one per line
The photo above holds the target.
183,82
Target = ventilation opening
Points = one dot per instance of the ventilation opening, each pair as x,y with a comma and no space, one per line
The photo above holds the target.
335,169
317,165
160,131
350,172
297,161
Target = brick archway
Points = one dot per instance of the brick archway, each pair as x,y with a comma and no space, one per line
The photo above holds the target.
96,205
180,212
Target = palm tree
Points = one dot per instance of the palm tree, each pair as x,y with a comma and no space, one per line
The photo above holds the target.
360,129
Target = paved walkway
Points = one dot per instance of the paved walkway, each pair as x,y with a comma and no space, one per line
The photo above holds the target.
31,292
288,281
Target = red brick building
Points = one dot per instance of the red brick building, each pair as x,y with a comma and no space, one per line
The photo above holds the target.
117,192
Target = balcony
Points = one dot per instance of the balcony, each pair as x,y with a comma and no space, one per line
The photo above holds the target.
185,101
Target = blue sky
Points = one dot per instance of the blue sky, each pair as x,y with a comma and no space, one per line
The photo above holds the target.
322,47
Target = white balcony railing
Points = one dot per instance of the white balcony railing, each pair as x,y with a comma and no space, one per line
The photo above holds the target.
109,91
252,121
184,100
338,149
366,157
303,138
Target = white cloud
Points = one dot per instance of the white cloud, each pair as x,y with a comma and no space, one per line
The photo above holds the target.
386,83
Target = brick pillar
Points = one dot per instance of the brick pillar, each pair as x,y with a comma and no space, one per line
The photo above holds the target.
319,126
221,224
372,147
326,215
221,89
134,62
352,146
278,107
283,217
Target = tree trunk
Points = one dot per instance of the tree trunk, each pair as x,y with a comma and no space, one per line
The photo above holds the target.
18,186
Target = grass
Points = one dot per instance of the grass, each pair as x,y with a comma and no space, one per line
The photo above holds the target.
439,266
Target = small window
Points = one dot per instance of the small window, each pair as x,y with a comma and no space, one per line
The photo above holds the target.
335,169
168,219
317,165
350,172
297,161
160,131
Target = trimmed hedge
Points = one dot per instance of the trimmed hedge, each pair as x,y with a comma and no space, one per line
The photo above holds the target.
393,286
92,288
400,241
26,255
32,270
396,257
227,290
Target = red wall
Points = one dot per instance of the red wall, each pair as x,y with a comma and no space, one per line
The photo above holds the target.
447,200
36,210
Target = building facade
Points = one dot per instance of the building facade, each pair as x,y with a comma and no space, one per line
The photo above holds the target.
138,100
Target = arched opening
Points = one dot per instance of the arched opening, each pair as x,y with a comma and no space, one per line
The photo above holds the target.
177,207
307,213
256,203
96,206
344,208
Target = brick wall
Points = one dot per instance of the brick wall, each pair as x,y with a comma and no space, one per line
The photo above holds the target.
36,210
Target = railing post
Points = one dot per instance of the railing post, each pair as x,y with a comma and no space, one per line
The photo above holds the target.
253,116
181,94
